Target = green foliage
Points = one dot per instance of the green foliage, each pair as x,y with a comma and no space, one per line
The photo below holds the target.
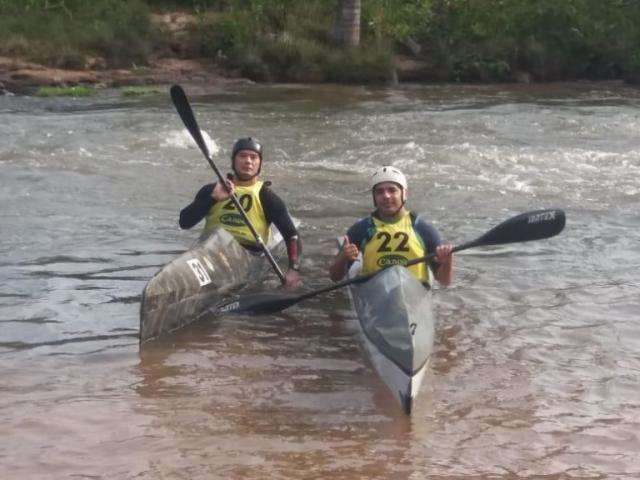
551,39
225,33
634,62
193,5
289,40
119,31
281,59
137,90
470,40
396,20
289,57
63,32
365,66
270,40
77,91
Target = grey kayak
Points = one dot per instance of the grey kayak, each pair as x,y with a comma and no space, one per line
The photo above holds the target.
396,323
184,288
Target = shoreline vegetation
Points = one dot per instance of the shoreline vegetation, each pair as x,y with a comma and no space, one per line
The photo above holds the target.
69,47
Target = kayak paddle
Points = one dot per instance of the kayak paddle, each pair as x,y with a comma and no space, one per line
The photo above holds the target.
183,107
533,225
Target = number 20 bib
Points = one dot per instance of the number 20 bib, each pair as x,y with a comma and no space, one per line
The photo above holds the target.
225,214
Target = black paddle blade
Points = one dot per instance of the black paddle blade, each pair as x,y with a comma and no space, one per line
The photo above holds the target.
183,107
534,225
256,304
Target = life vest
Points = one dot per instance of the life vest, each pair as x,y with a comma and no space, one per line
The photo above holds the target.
395,243
225,214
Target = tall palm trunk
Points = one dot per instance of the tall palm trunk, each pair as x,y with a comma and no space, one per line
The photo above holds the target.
348,31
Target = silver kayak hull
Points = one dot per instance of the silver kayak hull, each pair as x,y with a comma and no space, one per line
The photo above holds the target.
396,323
184,288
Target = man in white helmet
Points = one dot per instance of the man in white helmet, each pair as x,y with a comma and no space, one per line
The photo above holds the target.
393,235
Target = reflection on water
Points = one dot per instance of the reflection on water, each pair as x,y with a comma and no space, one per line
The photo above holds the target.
536,366
274,397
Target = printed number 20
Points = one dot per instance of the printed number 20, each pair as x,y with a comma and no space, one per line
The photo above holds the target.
245,201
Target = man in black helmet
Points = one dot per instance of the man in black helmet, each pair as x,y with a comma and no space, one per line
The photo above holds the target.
262,206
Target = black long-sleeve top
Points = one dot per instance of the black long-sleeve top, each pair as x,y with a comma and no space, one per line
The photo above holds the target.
275,212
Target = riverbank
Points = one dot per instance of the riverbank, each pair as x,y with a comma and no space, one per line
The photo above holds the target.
178,63
18,76
212,49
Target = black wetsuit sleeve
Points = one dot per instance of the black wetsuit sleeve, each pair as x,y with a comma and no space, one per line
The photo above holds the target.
198,209
275,211
430,237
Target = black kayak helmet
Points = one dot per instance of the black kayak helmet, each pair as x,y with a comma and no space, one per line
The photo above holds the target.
246,143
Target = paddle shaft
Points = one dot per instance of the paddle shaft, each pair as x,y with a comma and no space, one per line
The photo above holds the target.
183,107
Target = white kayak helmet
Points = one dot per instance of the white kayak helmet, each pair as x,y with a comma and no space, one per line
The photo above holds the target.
388,174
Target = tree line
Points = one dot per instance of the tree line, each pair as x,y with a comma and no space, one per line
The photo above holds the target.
342,40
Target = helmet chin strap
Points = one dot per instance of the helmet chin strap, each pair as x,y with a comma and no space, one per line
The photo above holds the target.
404,200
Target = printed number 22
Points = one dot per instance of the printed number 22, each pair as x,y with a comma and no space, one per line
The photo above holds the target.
386,239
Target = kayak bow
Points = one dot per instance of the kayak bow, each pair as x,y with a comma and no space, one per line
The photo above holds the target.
396,326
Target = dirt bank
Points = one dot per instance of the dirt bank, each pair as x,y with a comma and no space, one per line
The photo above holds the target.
22,77
179,64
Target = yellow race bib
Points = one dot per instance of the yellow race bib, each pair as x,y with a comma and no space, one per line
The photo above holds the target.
395,244
225,214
